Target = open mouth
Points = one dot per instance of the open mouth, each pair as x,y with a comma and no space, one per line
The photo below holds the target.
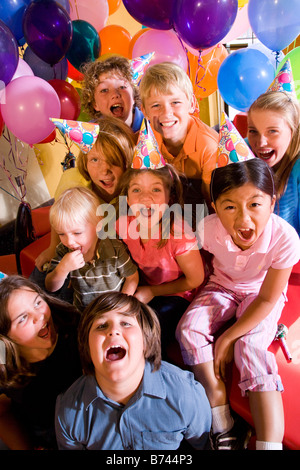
246,234
115,353
117,110
168,123
44,331
266,155
146,211
107,183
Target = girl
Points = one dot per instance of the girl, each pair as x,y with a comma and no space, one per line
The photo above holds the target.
95,265
162,246
253,255
274,136
40,337
100,170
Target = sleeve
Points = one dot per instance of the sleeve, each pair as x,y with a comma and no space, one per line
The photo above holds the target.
64,421
287,247
209,144
126,266
183,240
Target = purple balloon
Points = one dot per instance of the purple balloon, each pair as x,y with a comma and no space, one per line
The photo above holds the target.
203,24
48,30
9,54
43,70
156,14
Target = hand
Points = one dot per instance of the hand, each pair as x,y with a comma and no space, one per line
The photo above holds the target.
72,260
223,355
144,294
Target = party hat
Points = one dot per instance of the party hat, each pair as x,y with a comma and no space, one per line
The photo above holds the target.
147,154
284,80
138,66
232,147
84,134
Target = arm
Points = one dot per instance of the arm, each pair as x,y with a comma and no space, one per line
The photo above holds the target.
130,284
49,253
56,278
270,291
11,431
193,275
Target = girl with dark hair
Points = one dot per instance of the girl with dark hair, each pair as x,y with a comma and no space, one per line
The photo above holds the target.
39,334
253,252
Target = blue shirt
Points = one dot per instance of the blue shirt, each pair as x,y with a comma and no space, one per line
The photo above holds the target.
169,406
137,119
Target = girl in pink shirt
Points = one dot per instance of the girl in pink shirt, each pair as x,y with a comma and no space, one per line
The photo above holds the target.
161,243
253,255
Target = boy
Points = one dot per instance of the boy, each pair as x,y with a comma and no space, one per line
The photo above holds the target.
109,90
127,398
94,265
184,140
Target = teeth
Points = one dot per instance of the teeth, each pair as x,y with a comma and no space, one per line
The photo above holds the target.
167,124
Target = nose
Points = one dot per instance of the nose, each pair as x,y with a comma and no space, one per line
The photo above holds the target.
38,316
262,140
243,215
116,92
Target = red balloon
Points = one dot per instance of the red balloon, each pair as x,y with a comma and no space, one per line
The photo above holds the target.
50,138
68,97
2,123
74,73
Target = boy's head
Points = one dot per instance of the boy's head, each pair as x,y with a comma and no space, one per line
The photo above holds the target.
109,90
115,322
167,100
74,217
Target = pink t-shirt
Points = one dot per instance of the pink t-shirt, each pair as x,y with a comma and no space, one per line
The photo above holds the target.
157,265
244,271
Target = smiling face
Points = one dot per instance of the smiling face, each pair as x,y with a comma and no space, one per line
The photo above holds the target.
79,236
104,175
269,135
31,324
117,351
244,212
114,97
169,114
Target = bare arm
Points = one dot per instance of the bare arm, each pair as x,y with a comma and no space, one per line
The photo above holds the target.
131,283
56,278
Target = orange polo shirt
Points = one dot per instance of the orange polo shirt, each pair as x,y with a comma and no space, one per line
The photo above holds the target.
198,156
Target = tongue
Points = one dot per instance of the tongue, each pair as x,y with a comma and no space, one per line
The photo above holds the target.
43,332
115,354
117,111
246,234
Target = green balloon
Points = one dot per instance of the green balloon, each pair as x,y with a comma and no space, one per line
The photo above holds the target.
294,56
85,45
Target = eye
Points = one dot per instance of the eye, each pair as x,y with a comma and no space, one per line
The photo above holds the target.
103,90
23,318
101,326
229,208
38,303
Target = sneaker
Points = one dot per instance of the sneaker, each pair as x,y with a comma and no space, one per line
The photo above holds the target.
236,438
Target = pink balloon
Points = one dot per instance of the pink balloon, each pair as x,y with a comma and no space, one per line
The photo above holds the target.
239,27
22,70
94,12
29,103
165,44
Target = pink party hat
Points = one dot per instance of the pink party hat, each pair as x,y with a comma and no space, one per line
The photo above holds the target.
147,154
138,66
232,147
284,80
84,134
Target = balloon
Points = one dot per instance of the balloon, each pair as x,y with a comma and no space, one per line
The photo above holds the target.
9,54
30,102
294,57
22,70
94,12
156,14
48,30
113,6
65,4
69,99
203,24
2,123
165,44
11,13
85,45
204,75
243,76
49,138
272,55
115,39
74,73
43,70
133,41
240,26
275,22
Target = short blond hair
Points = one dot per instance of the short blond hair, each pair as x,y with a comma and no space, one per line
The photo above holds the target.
163,75
74,205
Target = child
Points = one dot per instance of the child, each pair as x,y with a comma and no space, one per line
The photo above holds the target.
160,243
100,169
184,140
253,255
95,265
109,90
274,136
41,360
127,398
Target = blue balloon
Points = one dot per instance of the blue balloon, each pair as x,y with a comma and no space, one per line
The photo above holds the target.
9,54
11,13
243,76
276,23
44,70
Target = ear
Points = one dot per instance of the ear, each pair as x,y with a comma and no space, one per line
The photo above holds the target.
273,203
213,206
194,104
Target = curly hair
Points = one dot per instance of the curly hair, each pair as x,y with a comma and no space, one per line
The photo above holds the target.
93,70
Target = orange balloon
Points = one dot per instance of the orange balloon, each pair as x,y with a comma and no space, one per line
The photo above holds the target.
134,39
115,39
113,6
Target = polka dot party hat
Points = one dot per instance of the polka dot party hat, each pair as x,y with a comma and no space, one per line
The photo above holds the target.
138,66
83,134
232,147
284,80
147,154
